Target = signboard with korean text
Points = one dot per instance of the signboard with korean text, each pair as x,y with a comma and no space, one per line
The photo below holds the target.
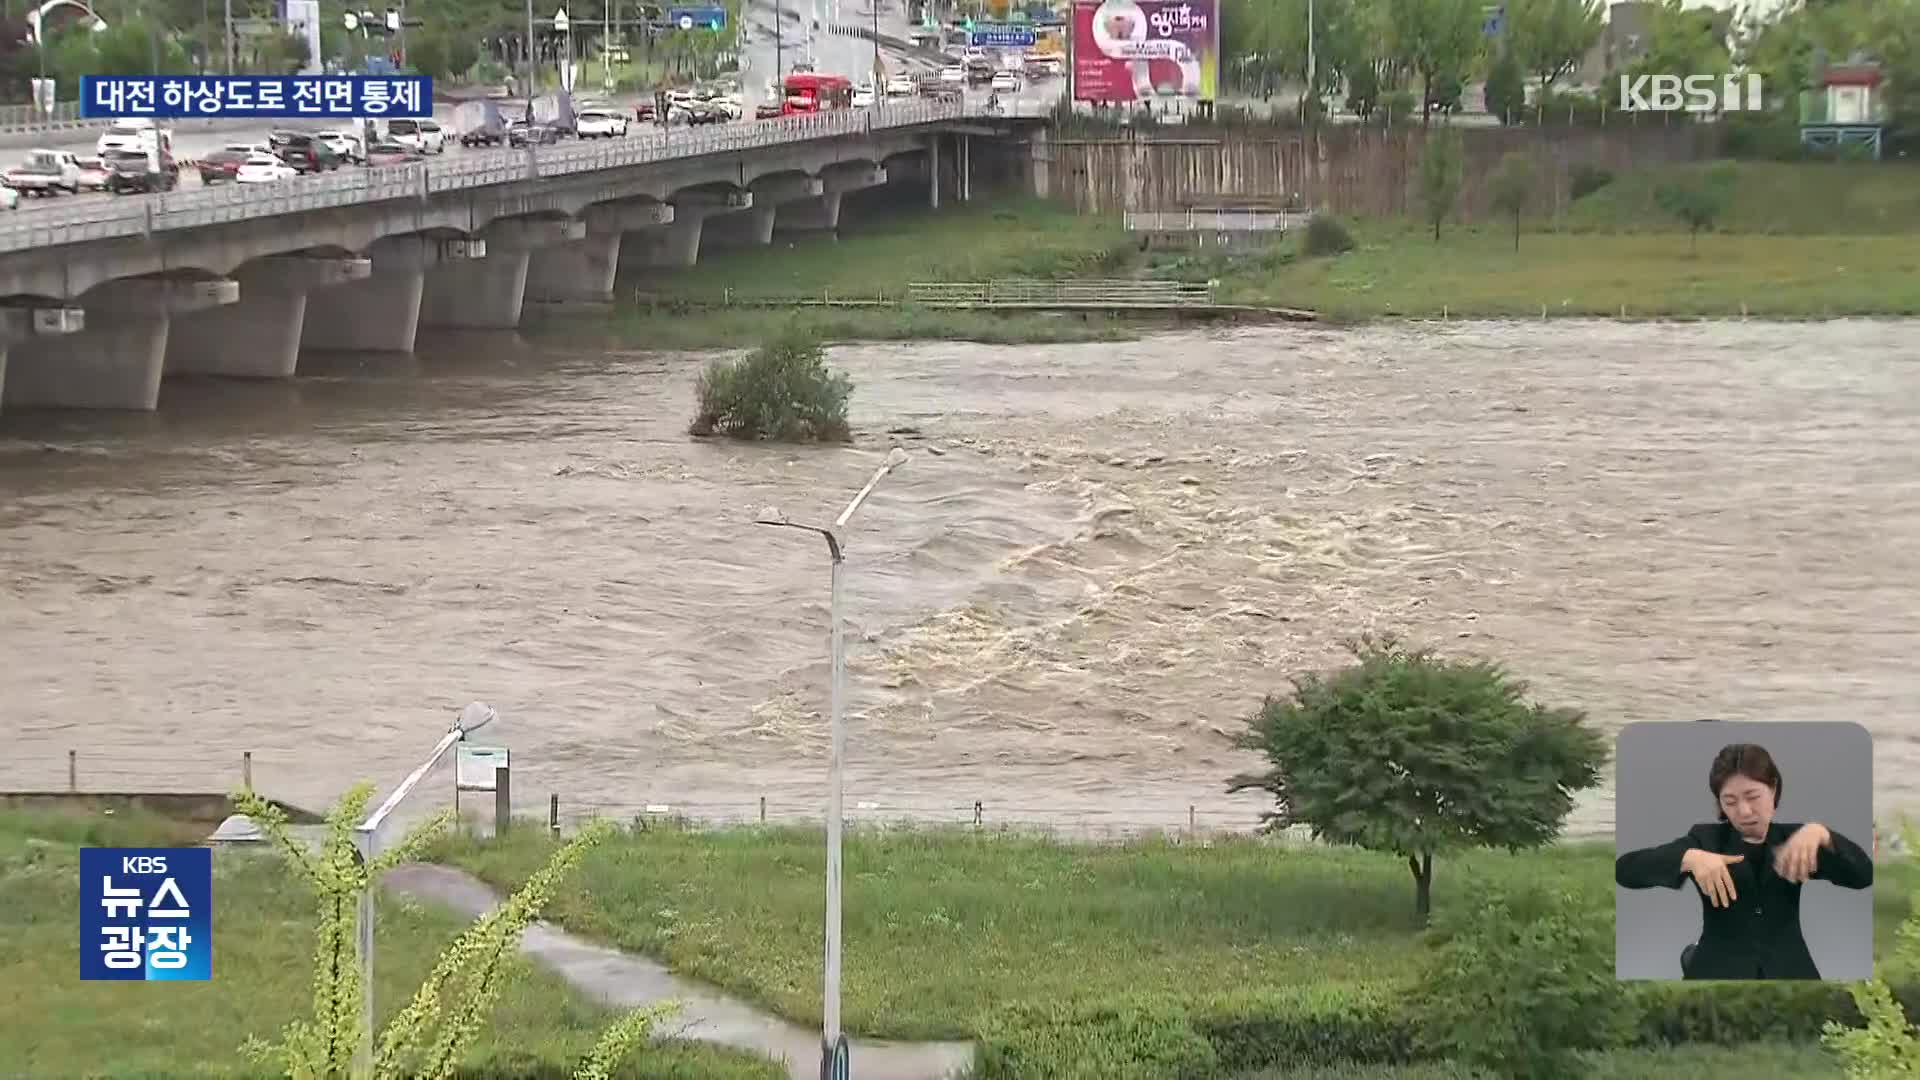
1133,52
146,914
256,96
1001,37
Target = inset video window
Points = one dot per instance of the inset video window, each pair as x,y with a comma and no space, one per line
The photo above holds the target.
1745,851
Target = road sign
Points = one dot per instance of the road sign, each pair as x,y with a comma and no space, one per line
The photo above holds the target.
1002,37
697,18
560,21
473,766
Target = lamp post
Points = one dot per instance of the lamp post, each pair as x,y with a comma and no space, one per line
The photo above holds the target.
833,1044
367,838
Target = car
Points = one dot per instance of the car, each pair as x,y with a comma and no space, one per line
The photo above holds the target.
123,134
863,97
1006,82
767,110
521,133
979,72
94,172
392,153
128,172
595,124
301,151
264,169
901,86
953,74
426,136
45,172
346,145
223,163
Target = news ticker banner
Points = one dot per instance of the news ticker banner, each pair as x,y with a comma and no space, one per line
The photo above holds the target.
265,97
146,914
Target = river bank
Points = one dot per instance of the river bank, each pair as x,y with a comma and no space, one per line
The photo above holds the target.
1613,254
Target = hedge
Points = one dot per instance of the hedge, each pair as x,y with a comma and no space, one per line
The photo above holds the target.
1371,1024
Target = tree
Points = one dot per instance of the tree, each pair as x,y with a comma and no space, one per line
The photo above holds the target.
1436,39
1512,186
1407,753
1442,166
1699,200
1682,40
1549,38
462,54
1506,89
1887,1045
427,54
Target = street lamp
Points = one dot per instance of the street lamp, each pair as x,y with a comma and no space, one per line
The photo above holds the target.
367,838
833,1044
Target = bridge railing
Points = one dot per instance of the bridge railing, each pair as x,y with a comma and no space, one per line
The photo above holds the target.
1224,220
1116,293
134,215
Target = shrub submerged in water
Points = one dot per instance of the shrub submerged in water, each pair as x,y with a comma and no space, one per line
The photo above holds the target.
781,390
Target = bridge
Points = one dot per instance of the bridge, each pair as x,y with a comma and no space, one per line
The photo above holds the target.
99,301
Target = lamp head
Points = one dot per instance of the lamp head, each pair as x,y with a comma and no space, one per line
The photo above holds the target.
474,717
896,457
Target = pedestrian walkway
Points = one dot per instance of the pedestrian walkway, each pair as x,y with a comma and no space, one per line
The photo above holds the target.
627,981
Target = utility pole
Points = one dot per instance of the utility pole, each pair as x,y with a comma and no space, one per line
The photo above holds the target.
1313,89
530,51
403,33
229,4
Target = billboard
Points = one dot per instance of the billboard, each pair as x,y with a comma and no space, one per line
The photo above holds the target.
1132,52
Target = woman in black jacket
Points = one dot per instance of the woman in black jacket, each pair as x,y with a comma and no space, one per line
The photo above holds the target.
1749,870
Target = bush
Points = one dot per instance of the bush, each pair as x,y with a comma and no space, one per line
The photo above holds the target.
1517,985
1327,236
1314,1025
781,390
1587,179
1735,1012
1125,1041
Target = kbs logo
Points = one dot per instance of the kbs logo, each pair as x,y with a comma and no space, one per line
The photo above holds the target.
146,914
1694,94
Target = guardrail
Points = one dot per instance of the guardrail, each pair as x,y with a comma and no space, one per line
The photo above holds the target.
139,215
64,115
1114,293
1214,220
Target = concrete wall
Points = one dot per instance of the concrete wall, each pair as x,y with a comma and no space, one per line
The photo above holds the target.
1347,171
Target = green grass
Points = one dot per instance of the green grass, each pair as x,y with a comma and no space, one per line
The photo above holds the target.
1398,270
1778,1062
1769,198
991,238
52,1024
941,924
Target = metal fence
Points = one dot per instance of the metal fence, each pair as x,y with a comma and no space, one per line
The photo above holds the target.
1214,220
139,215
1117,293
64,116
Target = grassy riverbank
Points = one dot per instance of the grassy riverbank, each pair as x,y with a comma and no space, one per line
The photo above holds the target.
52,1024
945,931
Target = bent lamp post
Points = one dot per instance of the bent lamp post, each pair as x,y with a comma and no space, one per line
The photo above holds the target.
367,837
834,1055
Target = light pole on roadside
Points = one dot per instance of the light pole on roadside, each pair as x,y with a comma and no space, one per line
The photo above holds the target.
834,1064
367,839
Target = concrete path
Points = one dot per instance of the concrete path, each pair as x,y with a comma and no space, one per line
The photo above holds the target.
628,981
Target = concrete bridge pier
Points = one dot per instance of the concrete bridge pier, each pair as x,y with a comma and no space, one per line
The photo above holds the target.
822,212
679,243
583,270
488,294
23,323
754,228
258,337
381,313
115,362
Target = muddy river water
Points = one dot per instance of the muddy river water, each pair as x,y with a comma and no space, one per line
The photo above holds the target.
1098,560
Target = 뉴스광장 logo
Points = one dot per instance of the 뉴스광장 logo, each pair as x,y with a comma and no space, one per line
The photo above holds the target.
1694,93
146,913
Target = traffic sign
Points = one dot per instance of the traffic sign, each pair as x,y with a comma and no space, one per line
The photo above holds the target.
1002,37
697,18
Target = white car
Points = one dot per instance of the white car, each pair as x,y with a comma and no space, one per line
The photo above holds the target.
346,145
1006,82
123,135
863,97
599,125
953,74
426,136
900,86
264,169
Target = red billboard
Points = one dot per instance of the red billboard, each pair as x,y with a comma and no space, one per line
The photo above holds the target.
1134,52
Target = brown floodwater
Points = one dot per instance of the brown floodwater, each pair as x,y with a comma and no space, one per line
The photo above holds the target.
1098,560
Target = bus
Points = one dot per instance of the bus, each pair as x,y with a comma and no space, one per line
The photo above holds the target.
808,91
